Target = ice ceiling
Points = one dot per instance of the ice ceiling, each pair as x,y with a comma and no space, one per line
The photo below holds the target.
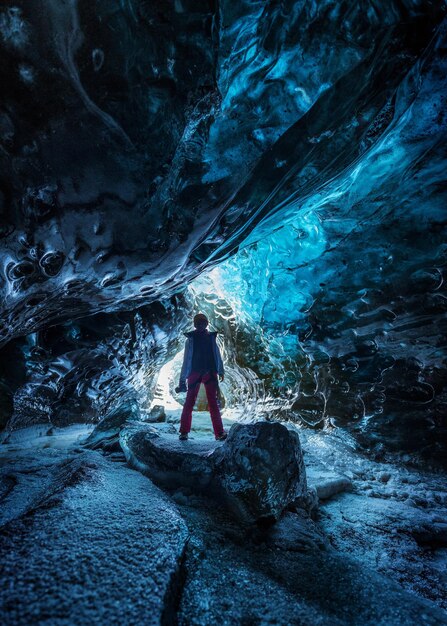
280,165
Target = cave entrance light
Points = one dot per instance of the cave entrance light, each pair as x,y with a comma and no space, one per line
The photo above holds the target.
167,380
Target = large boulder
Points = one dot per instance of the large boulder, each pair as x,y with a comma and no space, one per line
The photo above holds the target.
261,469
256,473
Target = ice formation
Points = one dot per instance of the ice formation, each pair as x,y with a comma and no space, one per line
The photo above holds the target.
279,165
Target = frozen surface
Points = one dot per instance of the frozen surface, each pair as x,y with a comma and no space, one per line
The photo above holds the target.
159,137
393,519
84,538
281,167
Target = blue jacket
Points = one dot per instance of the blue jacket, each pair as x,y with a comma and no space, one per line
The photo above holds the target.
187,357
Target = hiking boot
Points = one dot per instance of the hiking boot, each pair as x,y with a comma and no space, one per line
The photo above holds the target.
183,436
222,437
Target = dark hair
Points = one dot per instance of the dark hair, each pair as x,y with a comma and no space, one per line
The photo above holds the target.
200,317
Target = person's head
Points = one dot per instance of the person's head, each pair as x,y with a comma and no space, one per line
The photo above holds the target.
200,321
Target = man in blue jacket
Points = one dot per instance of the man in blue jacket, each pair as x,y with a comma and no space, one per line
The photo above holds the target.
202,363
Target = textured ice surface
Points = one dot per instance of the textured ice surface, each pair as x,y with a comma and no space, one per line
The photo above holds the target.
393,519
346,292
85,540
139,143
298,149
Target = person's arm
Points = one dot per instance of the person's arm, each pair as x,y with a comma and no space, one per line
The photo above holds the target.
219,363
182,381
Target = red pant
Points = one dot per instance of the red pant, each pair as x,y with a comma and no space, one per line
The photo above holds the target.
210,382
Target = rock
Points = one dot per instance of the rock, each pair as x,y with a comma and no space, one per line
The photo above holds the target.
33,404
168,461
156,414
332,486
256,472
296,533
384,477
434,535
6,405
326,482
96,543
261,469
105,435
180,498
307,502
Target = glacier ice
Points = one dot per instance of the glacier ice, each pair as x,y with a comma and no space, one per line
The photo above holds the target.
280,165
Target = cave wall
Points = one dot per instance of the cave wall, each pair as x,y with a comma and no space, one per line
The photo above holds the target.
143,141
285,160
352,283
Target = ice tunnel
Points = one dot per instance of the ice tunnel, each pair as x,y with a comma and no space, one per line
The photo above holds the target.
277,165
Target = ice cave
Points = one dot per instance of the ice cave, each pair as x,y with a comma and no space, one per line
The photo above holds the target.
276,168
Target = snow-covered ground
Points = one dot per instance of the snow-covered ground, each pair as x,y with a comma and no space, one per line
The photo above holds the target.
393,520
85,539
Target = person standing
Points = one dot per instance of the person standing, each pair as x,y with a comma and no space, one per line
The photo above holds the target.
202,363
